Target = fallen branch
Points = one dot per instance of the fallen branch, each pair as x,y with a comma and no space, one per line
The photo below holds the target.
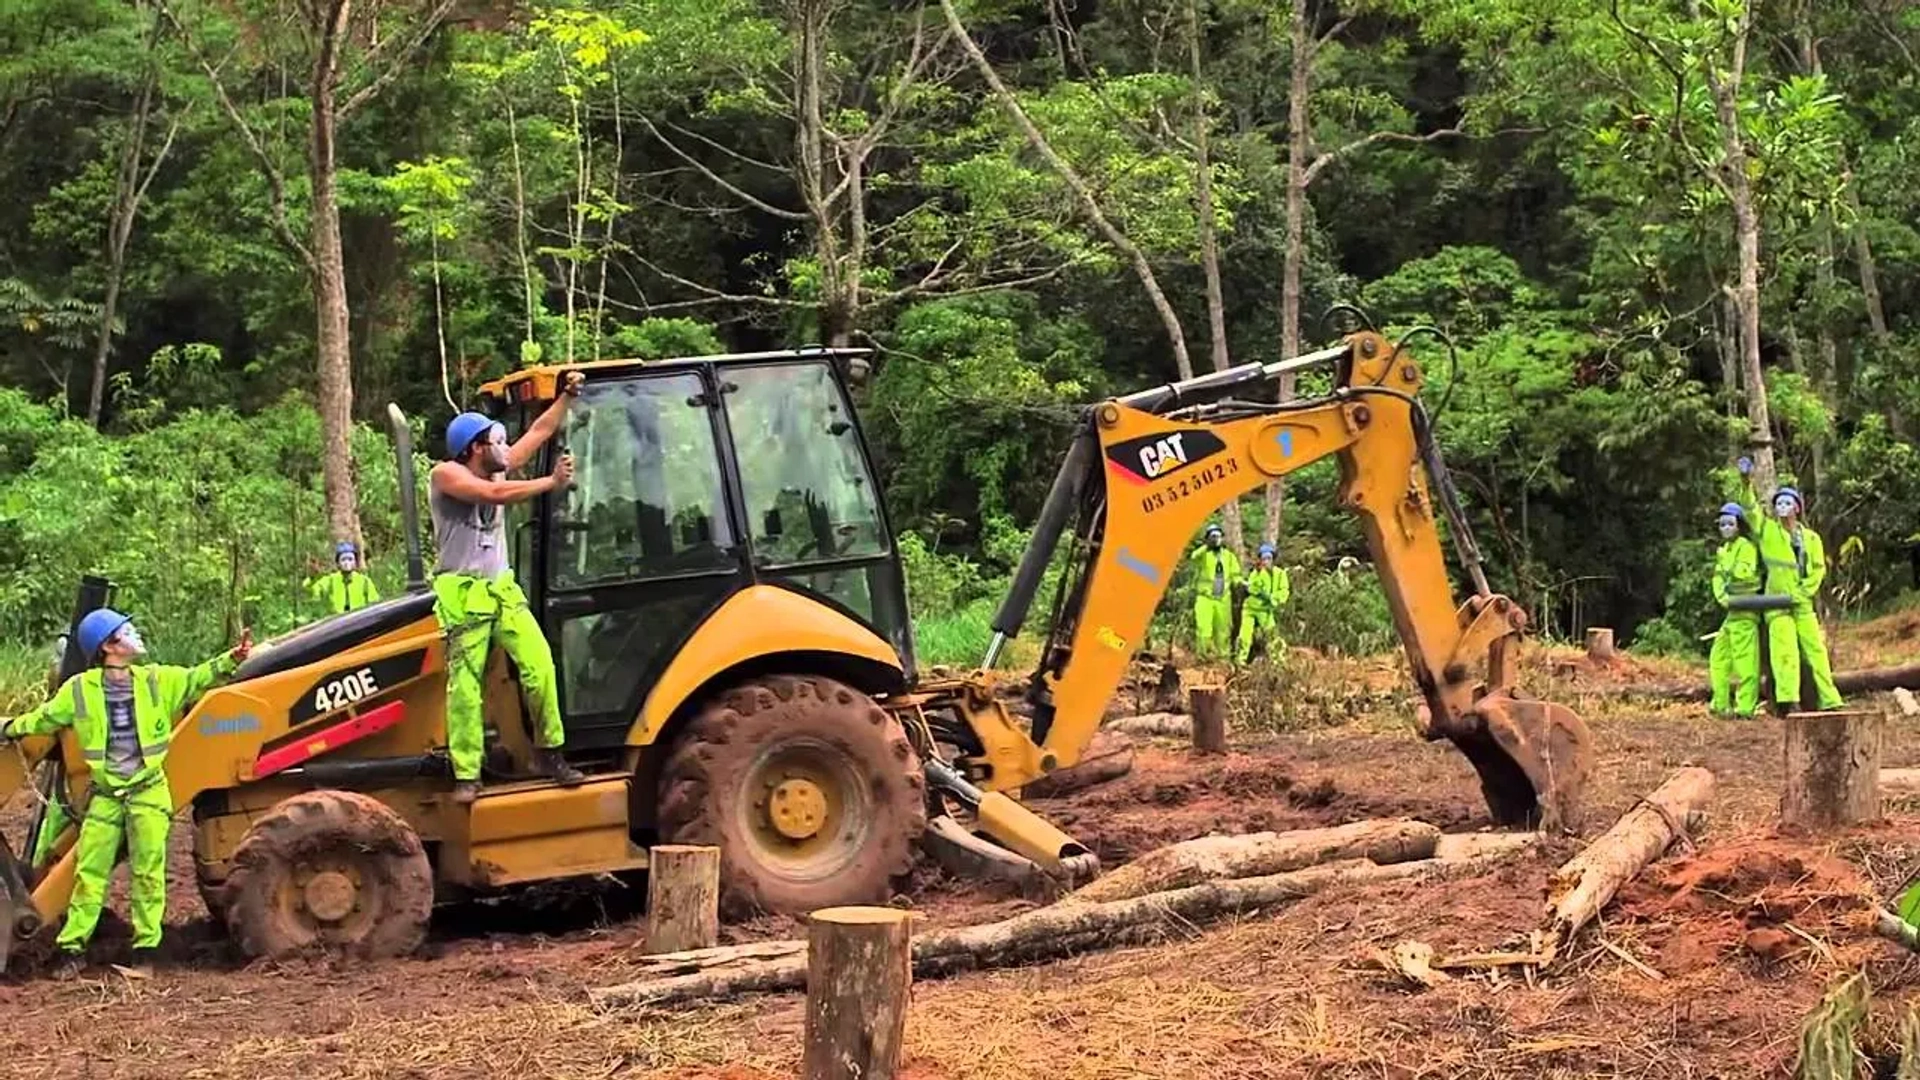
1216,858
1167,724
1584,884
1108,757
1864,681
1045,933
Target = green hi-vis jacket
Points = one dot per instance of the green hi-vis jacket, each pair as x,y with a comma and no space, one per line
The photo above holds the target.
342,593
1736,570
162,695
1788,572
1267,588
1214,564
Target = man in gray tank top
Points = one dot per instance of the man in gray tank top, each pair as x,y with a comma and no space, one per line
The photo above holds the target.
476,597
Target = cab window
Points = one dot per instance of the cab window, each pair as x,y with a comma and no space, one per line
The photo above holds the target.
808,493
647,499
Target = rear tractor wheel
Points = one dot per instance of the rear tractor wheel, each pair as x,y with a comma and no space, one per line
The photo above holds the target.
810,790
332,870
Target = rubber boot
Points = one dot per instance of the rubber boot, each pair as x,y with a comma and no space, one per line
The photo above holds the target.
556,768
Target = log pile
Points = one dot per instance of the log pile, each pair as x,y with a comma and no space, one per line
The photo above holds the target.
1085,924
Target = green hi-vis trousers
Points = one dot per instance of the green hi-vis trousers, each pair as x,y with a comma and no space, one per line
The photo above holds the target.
142,813
473,613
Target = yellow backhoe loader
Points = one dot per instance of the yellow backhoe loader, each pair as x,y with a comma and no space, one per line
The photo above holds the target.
725,601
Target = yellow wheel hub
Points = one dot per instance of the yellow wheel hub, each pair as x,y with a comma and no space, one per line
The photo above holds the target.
329,895
797,808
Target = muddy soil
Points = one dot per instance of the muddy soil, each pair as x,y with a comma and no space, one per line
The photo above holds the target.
1702,969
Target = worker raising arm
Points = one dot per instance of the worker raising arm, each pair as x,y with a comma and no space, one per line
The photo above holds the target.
123,714
476,596
1219,571
1793,563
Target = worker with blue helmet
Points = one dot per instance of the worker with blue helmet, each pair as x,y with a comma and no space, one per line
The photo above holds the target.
1218,571
1733,665
1793,563
1267,589
476,598
122,713
347,587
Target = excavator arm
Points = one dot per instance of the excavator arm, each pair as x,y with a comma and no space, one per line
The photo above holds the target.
1144,475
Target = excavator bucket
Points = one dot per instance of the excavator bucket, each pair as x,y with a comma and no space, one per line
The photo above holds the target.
1533,758
18,917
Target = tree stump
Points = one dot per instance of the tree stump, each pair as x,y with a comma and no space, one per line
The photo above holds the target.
1832,769
683,898
1209,719
1600,644
859,970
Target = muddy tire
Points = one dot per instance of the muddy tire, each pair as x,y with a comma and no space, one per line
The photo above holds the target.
811,791
331,871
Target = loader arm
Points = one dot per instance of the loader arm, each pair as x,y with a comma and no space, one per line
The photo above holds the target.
1148,471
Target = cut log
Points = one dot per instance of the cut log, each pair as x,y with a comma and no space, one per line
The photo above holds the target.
859,968
1899,783
1863,681
1584,884
1109,757
1216,858
1209,719
1168,724
1045,933
1832,769
1600,644
683,898
1454,847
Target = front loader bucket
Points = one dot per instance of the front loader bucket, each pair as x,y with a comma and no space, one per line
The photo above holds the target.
1533,758
18,917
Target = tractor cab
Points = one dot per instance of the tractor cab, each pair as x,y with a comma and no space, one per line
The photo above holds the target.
694,479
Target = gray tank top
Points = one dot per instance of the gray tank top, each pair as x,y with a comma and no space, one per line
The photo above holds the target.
471,537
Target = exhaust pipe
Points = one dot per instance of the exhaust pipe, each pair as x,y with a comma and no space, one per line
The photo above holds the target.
409,498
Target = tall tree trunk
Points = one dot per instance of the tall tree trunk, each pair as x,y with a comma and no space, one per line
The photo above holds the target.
1083,195
1209,239
1734,179
1729,343
128,189
1869,276
330,287
1299,87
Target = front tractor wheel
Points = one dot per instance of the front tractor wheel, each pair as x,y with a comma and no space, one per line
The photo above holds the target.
810,790
333,870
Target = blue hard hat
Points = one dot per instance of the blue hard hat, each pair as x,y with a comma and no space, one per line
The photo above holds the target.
97,626
1798,500
465,428
1266,551
1732,510
345,547
1213,530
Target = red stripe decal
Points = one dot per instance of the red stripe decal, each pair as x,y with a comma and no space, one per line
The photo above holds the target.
352,729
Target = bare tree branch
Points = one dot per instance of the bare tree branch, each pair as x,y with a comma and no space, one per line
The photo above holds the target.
1337,154
1142,268
401,59
276,182
751,200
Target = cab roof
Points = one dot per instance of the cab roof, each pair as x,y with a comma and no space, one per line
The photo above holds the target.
541,382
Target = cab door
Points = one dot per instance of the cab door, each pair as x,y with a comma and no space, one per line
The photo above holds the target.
640,550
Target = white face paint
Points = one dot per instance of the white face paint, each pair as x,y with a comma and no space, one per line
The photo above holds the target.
346,562
1785,505
1728,527
129,639
495,450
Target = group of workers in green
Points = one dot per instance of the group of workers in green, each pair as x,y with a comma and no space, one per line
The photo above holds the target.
123,711
1217,577
1765,576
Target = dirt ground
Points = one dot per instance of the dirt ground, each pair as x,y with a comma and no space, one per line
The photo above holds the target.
1702,968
